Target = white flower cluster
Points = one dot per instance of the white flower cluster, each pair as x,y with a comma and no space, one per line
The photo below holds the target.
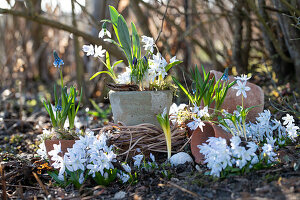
197,115
125,77
91,51
219,156
266,129
88,153
148,43
174,112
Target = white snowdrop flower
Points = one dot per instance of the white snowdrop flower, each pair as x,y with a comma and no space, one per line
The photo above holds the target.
126,167
241,88
104,32
195,124
148,43
125,77
243,77
42,150
173,59
137,160
88,49
99,52
288,119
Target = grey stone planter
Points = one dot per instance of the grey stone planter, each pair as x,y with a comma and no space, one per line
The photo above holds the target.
137,107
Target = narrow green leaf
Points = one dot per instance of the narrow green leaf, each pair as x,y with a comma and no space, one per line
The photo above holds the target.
108,61
116,63
170,65
103,72
114,18
183,89
125,38
136,47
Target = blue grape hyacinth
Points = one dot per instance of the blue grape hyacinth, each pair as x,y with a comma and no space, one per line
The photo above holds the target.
57,60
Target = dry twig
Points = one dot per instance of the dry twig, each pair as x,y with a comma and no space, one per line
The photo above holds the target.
147,137
3,183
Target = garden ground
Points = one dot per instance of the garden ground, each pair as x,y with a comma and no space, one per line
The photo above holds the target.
25,176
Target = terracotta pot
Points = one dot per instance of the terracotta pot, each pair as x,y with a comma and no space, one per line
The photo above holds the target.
65,144
255,97
199,137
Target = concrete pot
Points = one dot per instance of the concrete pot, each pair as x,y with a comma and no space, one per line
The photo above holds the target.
138,107
199,137
255,97
65,144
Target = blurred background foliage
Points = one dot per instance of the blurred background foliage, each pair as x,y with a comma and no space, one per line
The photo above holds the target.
260,37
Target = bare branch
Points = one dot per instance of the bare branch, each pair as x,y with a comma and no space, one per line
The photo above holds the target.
55,24
162,21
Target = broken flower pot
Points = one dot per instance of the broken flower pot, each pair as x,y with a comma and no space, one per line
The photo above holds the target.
138,107
199,137
255,97
65,144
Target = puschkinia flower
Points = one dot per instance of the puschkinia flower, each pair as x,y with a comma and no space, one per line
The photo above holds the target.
125,77
148,43
173,59
57,61
123,176
88,153
270,130
268,151
126,167
243,77
137,160
218,155
241,88
99,52
196,123
88,49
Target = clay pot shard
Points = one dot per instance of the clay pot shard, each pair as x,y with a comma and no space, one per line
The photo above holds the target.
65,144
200,137
255,97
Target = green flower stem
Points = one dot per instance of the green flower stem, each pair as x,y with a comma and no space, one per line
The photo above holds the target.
61,78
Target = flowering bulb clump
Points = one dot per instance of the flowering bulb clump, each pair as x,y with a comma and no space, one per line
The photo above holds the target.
148,71
89,156
222,159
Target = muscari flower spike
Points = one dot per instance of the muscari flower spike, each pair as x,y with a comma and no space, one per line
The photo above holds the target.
57,61
145,59
134,62
225,75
